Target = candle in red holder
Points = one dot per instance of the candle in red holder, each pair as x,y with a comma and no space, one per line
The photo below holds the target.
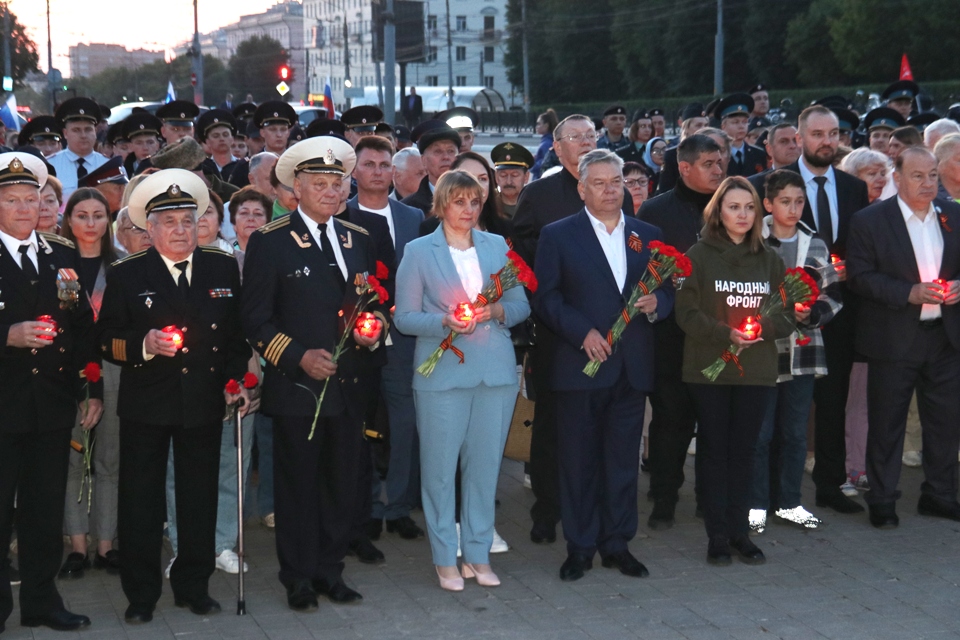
941,282
49,334
175,335
834,258
750,328
367,325
464,312
800,307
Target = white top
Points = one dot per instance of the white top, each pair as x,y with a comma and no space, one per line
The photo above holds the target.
314,228
614,247
927,250
65,162
386,213
830,187
468,268
13,247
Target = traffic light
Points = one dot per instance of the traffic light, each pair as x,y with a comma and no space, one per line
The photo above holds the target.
286,74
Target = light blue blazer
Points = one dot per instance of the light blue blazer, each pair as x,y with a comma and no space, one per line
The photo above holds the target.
427,286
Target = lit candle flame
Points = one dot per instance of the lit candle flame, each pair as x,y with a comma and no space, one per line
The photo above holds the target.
367,325
49,334
175,335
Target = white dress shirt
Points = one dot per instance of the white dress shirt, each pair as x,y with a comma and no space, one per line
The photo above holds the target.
387,213
614,247
468,268
927,250
831,189
13,247
65,162
331,235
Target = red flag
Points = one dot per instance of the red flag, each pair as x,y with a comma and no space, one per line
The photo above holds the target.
905,72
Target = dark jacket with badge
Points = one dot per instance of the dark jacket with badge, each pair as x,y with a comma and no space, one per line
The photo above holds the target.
40,388
292,303
141,295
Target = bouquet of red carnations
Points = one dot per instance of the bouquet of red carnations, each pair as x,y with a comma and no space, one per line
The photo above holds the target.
797,288
514,273
665,262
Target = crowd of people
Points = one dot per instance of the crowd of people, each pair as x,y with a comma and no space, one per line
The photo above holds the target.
173,272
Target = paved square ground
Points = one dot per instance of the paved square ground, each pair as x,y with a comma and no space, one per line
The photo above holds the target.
845,580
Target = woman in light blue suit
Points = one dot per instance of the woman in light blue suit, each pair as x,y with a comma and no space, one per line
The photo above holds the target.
462,409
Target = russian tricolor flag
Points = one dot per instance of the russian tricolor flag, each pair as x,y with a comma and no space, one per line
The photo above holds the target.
328,99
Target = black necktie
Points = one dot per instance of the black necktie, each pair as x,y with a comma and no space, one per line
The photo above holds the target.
824,220
182,283
330,256
81,170
27,264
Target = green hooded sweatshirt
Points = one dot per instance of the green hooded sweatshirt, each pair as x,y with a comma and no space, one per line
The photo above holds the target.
727,284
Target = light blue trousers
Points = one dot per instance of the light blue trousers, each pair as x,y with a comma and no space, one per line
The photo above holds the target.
471,424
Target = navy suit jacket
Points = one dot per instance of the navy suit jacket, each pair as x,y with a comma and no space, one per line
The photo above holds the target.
577,292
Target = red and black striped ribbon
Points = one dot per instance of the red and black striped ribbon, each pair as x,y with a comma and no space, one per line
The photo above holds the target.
783,295
635,243
498,285
481,301
448,344
652,268
728,356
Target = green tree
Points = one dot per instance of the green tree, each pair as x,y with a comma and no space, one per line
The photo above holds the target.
933,49
763,28
255,66
808,45
23,50
868,38
638,44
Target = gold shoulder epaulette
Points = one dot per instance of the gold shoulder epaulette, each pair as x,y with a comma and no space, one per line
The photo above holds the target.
52,237
207,249
279,223
129,257
355,227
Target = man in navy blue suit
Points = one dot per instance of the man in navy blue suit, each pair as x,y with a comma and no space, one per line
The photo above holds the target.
587,266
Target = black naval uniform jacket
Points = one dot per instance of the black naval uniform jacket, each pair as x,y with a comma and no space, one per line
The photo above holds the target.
41,388
141,295
292,303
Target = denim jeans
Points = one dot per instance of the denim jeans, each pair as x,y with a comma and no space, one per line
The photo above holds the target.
263,425
789,415
227,492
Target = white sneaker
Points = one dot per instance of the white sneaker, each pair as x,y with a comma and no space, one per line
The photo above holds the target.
270,521
758,521
229,562
166,572
848,488
459,550
800,516
809,464
912,459
499,544
527,484
692,449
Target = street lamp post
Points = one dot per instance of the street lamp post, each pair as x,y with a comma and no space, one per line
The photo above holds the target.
197,55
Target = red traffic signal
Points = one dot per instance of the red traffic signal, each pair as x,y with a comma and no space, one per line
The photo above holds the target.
284,72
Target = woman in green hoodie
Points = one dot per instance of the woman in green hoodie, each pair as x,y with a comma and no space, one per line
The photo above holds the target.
733,275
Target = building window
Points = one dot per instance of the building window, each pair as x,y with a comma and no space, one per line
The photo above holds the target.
432,23
488,54
431,54
461,23
433,81
488,26
461,54
488,82
461,81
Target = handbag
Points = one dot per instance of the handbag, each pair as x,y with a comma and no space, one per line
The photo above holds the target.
521,426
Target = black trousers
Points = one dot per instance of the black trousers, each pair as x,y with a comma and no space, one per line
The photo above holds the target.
142,510
932,369
830,396
315,489
33,471
544,476
673,418
730,417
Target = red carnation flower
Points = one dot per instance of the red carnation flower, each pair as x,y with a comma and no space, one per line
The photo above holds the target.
250,380
382,272
233,387
803,341
92,372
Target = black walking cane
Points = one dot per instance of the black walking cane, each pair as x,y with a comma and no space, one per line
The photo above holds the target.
238,437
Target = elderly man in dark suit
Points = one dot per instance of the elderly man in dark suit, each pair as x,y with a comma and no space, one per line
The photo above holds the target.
904,262
587,267
47,341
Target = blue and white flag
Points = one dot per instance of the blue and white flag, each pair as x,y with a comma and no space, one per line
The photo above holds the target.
8,114
171,94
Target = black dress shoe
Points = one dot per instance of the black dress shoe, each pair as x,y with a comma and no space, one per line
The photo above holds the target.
930,506
74,565
645,465
628,565
14,574
201,606
61,620
338,592
884,516
718,551
543,533
365,552
662,516
109,562
373,528
138,614
749,552
300,596
574,567
838,502
405,527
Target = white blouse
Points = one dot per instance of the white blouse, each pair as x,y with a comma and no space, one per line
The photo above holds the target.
468,268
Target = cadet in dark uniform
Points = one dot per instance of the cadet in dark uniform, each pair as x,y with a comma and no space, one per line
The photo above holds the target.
273,119
849,123
300,272
461,120
115,141
215,129
733,112
142,130
641,131
42,132
512,164
880,123
326,127
922,120
658,119
40,392
361,121
900,95
110,180
614,121
177,117
761,105
170,393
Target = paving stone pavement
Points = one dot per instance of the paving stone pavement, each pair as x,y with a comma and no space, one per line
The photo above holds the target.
845,580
